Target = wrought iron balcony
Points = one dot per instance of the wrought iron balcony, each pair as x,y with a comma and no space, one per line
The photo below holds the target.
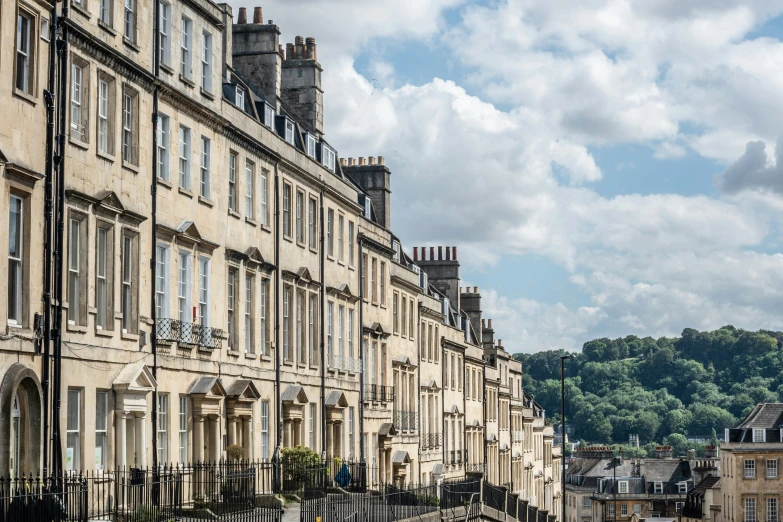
378,393
406,420
176,331
431,441
476,467
345,364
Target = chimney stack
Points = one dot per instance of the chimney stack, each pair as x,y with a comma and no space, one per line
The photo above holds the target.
255,49
301,85
242,17
258,17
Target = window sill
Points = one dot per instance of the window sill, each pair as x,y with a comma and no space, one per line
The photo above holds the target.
266,228
163,183
185,192
81,10
233,353
288,238
205,201
29,98
251,221
106,27
131,45
313,250
250,356
266,358
127,336
341,263
75,328
234,214
102,332
351,267
302,366
288,363
301,244
167,69
18,329
130,167
76,142
107,157
187,81
207,94
329,257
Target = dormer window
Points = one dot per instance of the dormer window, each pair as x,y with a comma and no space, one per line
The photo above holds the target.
310,139
396,248
328,157
240,98
269,115
759,435
289,131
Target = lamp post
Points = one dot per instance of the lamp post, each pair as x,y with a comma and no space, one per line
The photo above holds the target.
563,359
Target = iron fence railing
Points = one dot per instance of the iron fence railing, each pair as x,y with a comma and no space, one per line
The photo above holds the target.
188,334
494,496
406,420
387,504
378,393
344,363
430,441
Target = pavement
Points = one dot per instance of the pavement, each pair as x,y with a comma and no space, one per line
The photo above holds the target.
292,512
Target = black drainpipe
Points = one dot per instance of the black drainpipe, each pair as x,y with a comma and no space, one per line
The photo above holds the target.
278,401
154,235
322,254
361,363
422,422
484,413
48,231
62,49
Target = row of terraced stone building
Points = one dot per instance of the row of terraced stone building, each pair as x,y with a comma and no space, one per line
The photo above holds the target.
192,266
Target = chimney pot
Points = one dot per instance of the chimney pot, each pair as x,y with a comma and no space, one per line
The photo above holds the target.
381,160
448,254
242,17
371,160
432,253
258,17
475,289
270,22
299,40
310,46
490,324
289,51
343,162
279,46
454,251
440,253
362,160
299,47
415,253
500,342
483,323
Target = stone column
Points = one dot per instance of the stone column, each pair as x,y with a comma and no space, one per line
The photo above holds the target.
296,429
329,438
120,446
232,430
141,440
246,441
286,433
389,466
214,439
337,439
198,438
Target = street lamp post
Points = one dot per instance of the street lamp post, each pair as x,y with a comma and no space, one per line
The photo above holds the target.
563,359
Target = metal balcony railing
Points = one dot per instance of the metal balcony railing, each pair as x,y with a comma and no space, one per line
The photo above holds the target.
344,363
431,441
406,420
476,467
181,332
378,393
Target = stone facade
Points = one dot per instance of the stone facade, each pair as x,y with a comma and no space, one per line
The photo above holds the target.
223,268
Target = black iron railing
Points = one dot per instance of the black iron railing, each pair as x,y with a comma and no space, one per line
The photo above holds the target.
476,467
378,393
406,420
431,441
192,334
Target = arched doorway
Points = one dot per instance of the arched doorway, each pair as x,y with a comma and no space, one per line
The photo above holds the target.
20,421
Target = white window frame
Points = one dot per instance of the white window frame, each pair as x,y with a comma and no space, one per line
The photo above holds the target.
750,510
772,509
182,431
312,209
350,333
263,305
164,32
129,21
74,269
78,131
287,322
101,429
329,333
330,233
265,431
328,157
239,97
103,113
231,306
749,469
311,145
105,12
127,282
186,46
624,510
300,304
73,429
162,281
164,137
206,147
16,261
203,290
127,128
340,241
622,485
249,283
289,131
102,267
25,51
264,196
206,61
163,428
772,468
682,487
269,115
340,332
185,270
184,157
300,216
250,174
287,210
311,329
759,435
658,488
350,243
311,420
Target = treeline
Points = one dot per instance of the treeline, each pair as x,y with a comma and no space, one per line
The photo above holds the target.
661,389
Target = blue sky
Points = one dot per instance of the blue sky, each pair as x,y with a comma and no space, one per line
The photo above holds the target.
606,167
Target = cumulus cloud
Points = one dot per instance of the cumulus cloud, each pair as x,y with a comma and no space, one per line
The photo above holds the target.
754,170
499,161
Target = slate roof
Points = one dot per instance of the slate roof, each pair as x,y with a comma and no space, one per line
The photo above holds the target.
666,470
400,457
709,482
333,399
768,416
